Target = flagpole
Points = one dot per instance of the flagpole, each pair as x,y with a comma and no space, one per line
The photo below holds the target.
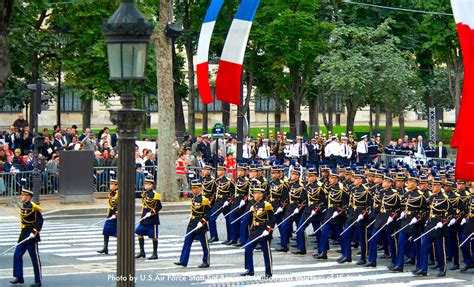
240,120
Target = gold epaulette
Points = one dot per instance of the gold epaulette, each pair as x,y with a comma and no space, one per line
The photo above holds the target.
205,201
268,206
35,207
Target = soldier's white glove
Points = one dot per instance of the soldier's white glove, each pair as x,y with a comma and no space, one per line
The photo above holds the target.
265,233
148,214
335,214
413,221
463,221
31,236
389,220
360,217
296,211
313,212
452,222
279,210
242,203
112,217
226,203
439,225
199,225
402,215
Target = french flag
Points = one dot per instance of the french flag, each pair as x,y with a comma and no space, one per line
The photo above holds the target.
463,137
229,75
202,64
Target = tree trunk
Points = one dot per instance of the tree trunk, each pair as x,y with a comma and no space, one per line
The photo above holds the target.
167,184
205,119
6,7
371,122
388,124
377,118
178,102
351,113
313,117
401,123
292,118
188,44
277,116
86,113
226,116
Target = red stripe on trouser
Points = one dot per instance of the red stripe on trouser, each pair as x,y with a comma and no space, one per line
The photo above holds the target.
202,73
228,82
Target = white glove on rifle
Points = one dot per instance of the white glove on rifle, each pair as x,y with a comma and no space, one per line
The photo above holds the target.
360,217
463,221
452,222
402,215
265,233
389,220
296,211
279,210
31,236
199,225
112,217
313,212
148,214
413,221
335,214
226,203
439,225
242,203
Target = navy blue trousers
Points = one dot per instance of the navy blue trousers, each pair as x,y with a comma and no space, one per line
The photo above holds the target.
244,227
347,237
300,239
20,250
426,246
267,255
452,245
392,245
404,245
235,228
326,232
466,249
286,229
213,225
188,241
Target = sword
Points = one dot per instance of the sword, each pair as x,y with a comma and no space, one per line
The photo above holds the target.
255,239
377,232
141,219
97,223
466,240
223,205
19,243
291,215
222,218
400,229
348,227
307,220
370,224
241,216
416,239
319,228
194,229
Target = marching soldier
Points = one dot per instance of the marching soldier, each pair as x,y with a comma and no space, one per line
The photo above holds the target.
334,218
435,231
260,232
151,205
242,185
385,224
278,194
314,200
452,238
292,210
110,226
197,226
263,180
247,219
208,183
224,192
31,224
357,220
467,225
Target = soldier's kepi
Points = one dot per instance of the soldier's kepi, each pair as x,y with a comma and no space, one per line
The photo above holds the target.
31,224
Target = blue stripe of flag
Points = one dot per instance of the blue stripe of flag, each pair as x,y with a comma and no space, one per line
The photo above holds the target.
213,11
247,10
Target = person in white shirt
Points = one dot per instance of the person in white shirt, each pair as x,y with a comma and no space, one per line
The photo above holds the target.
287,150
247,151
363,150
332,151
299,150
264,150
345,152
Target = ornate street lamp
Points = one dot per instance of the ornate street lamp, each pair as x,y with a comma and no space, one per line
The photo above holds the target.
127,35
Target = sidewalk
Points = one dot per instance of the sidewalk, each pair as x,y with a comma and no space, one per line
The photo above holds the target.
53,209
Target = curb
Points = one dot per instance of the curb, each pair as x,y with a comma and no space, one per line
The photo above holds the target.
102,215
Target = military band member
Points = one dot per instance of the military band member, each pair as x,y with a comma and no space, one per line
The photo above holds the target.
31,224
335,216
110,226
359,205
242,185
263,221
438,205
467,226
151,206
224,194
315,201
385,221
197,226
292,210
208,183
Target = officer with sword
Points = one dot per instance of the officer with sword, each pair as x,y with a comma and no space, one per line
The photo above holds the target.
467,231
246,217
224,197
278,197
242,185
197,226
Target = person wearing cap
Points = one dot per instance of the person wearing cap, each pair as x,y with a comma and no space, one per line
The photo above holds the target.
467,228
324,171
263,180
247,151
247,219
264,150
411,220
263,222
110,225
360,203
452,239
200,213
438,208
363,151
293,209
151,206
242,185
335,216
331,151
299,150
345,152
224,195
314,153
315,200
278,196
31,222
208,183
388,205
372,147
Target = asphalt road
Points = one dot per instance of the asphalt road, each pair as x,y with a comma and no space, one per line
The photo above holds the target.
69,258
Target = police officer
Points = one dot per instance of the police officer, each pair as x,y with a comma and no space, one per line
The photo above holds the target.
242,185
31,224
315,201
151,205
293,209
335,216
438,205
110,226
197,226
263,221
360,203
224,194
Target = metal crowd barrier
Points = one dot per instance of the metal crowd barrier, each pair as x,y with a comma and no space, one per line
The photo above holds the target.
11,183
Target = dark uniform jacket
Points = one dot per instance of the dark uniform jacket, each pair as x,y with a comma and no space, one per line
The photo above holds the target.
263,219
113,202
200,212
241,186
338,200
151,203
224,192
209,187
469,226
296,196
389,206
31,221
439,206
278,193
315,200
377,193
360,201
415,206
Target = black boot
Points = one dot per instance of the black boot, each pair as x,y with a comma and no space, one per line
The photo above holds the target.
322,256
141,243
16,281
454,267
466,268
154,255
105,250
